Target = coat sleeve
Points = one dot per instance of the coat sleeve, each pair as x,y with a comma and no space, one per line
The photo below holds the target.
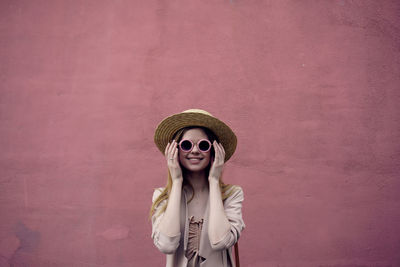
166,244
233,211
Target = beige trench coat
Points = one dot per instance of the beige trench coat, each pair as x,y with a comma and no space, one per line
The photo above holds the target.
216,255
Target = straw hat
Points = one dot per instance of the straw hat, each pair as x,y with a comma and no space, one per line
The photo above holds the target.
195,117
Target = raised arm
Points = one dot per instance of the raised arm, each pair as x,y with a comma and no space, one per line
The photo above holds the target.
225,220
233,212
166,226
218,225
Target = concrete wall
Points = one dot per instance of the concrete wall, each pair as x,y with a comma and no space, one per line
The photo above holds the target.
310,87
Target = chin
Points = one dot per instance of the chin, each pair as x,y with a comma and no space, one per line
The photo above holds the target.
195,168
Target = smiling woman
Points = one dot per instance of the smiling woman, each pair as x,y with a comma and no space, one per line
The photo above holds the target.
194,159
196,218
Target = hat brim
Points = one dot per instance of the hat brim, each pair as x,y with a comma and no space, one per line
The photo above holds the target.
169,126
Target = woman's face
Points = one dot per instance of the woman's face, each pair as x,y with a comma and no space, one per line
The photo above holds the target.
194,160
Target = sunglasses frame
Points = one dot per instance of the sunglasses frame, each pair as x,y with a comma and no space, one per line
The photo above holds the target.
197,144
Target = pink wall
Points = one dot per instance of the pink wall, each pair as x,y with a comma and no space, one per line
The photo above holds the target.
310,87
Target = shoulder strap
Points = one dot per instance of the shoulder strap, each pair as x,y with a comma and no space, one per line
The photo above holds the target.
237,254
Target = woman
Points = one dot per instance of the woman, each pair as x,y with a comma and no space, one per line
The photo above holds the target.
196,218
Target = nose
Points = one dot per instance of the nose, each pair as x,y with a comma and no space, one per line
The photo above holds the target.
195,149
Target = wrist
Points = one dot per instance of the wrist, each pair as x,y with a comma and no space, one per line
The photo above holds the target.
213,180
177,181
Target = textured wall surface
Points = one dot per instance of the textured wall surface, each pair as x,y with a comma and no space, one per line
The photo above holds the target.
312,89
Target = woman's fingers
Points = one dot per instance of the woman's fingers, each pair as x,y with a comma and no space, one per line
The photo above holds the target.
218,163
170,149
217,150
222,148
173,163
166,148
222,151
175,155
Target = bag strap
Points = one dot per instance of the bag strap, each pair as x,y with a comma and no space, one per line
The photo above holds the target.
237,254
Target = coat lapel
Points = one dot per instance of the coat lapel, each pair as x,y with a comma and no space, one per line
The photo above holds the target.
184,220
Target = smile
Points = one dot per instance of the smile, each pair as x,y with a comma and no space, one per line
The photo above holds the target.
195,160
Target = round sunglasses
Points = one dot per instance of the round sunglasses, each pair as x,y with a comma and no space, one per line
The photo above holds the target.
187,145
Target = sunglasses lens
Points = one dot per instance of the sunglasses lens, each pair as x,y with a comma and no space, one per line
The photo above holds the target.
186,145
204,145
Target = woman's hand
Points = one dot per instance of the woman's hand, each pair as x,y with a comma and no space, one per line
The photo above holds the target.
217,163
171,154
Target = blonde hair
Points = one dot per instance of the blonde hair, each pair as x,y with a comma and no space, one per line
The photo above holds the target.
225,188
